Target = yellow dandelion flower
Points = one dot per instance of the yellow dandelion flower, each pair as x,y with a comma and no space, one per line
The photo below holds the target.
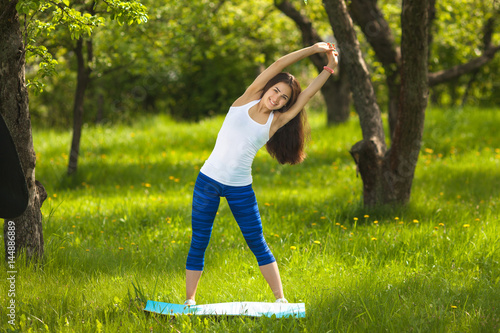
428,150
323,217
437,228
441,193
293,248
337,223
415,221
453,306
401,222
74,226
173,242
276,235
147,185
317,242
55,195
132,243
171,177
120,248
376,222
313,223
441,224
87,250
62,247
366,216
71,233
477,220
459,196
374,239
355,219
466,225
102,232
132,134
396,218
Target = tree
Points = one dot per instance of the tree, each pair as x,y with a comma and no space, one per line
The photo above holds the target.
387,174
14,109
14,95
336,91
370,18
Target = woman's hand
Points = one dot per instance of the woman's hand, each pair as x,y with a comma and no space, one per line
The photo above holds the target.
323,47
331,53
333,59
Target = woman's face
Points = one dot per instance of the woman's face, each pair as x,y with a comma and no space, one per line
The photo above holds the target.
277,96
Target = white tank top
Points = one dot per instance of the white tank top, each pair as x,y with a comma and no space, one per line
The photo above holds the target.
238,141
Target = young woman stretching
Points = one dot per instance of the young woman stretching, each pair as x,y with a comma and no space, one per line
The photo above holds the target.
269,112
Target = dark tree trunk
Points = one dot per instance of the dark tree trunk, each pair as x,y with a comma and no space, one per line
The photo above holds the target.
15,111
336,91
400,164
387,175
83,79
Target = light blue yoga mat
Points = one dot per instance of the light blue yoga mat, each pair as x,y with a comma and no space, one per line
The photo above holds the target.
250,309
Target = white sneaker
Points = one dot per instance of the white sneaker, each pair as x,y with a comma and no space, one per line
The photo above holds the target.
281,300
190,302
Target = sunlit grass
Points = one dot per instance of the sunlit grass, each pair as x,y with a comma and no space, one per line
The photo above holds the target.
123,222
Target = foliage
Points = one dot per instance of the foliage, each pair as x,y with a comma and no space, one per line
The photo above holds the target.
192,59
42,17
119,231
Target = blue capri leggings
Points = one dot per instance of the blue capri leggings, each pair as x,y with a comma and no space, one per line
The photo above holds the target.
243,204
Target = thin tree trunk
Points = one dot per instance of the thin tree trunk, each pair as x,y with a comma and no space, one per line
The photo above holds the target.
370,19
83,79
15,111
336,91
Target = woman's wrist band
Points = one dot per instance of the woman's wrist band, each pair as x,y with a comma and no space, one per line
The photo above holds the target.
328,69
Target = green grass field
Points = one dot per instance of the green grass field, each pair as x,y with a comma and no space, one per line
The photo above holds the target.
118,233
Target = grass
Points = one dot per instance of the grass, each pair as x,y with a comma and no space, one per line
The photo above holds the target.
118,232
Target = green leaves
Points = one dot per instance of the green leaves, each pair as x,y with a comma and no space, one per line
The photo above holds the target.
48,19
125,12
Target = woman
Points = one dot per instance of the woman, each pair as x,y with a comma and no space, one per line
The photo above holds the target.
270,111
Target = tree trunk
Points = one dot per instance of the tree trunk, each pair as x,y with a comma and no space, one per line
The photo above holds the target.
387,175
83,79
15,111
336,91
337,95
400,164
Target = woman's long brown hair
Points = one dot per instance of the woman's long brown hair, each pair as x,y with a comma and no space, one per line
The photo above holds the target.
288,143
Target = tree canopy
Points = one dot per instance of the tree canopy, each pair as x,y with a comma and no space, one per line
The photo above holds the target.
205,53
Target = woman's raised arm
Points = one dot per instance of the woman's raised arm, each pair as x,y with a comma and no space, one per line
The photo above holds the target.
311,90
279,65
